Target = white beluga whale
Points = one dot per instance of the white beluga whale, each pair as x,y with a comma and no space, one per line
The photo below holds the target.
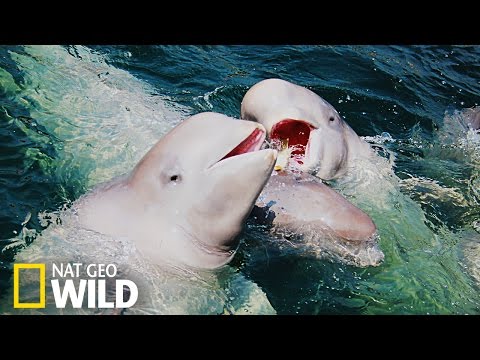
175,216
187,199
101,120
105,119
312,137
321,142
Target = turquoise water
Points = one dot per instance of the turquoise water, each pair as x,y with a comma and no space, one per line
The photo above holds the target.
47,133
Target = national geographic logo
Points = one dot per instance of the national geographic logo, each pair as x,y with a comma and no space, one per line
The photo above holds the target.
93,288
16,286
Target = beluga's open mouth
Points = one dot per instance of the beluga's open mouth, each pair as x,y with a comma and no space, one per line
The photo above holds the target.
291,138
252,143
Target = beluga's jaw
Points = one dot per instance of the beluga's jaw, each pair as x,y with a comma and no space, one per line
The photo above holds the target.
325,223
188,198
318,139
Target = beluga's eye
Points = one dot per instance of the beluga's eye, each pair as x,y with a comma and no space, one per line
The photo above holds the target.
175,178
332,118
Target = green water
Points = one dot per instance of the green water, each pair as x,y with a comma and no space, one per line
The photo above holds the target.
72,117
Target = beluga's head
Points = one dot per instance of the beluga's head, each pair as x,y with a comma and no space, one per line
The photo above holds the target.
318,137
189,196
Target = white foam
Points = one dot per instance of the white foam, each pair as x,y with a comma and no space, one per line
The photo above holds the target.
103,119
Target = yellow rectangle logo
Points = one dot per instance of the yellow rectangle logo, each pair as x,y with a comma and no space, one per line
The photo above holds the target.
16,286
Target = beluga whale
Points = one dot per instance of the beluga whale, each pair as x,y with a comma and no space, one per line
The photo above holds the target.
188,198
319,140
315,144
